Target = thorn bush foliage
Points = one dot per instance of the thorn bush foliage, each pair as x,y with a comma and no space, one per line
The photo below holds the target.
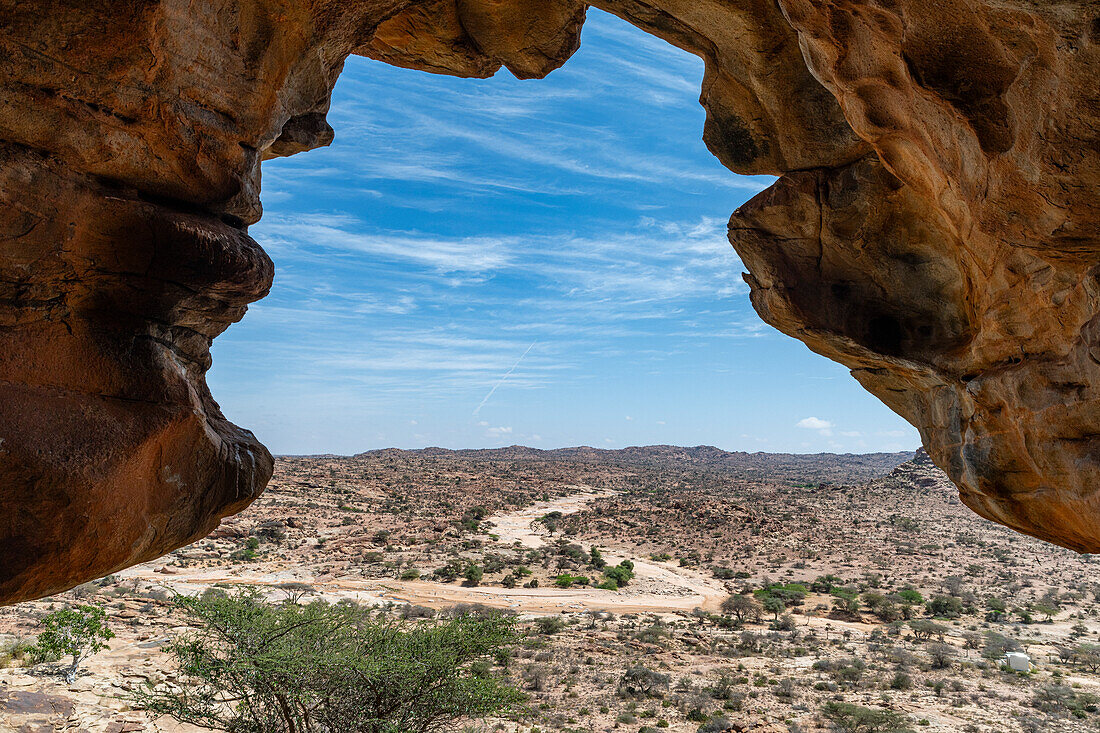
250,665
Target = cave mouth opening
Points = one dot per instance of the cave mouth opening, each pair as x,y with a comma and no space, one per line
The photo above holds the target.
484,262
934,196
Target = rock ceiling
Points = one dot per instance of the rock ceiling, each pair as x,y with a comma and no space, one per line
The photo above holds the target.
934,228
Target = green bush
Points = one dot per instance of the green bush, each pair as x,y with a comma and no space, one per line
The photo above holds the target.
901,681
622,573
15,650
80,632
565,580
640,681
946,606
909,595
856,719
473,575
549,625
270,668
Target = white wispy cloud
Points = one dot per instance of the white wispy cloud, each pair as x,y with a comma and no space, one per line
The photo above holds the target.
473,254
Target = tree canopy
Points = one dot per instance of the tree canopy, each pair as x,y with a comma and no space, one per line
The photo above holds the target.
286,668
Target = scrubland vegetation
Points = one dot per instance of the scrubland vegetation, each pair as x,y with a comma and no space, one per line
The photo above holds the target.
836,605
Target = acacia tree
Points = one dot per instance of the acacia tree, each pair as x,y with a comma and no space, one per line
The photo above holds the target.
80,631
742,607
319,668
942,655
924,629
774,606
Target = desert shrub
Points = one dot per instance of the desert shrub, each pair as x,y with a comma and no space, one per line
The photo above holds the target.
246,553
901,681
565,580
412,611
479,610
410,574
846,672
473,575
639,681
874,600
84,590
749,641
536,677
825,584
270,668
857,719
911,596
1061,700
946,606
717,724
996,609
548,625
16,650
722,689
468,523
449,572
622,573
696,715
888,612
653,634
552,520
942,655
785,622
572,551
736,702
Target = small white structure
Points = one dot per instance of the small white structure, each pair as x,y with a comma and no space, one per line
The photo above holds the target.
1018,661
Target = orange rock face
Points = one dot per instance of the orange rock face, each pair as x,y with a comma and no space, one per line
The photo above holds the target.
934,229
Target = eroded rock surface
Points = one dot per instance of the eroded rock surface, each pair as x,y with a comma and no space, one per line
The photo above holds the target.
934,229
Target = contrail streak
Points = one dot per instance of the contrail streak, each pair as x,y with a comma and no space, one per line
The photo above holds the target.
506,375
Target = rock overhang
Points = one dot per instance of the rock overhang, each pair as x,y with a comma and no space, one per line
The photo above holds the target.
933,228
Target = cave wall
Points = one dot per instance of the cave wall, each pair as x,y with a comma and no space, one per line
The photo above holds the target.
934,228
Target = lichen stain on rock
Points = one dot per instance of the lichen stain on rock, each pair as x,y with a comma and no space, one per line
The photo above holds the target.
934,228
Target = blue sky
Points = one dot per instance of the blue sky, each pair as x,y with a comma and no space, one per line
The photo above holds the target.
477,263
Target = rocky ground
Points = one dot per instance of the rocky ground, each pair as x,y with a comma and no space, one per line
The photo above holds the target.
861,554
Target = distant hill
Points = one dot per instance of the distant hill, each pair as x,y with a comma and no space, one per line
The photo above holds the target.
796,467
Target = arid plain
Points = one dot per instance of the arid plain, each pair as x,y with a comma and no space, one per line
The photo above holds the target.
860,578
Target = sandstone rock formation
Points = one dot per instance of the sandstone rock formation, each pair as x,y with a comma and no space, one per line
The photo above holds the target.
934,229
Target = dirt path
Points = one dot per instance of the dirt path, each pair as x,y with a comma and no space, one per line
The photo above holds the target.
656,588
